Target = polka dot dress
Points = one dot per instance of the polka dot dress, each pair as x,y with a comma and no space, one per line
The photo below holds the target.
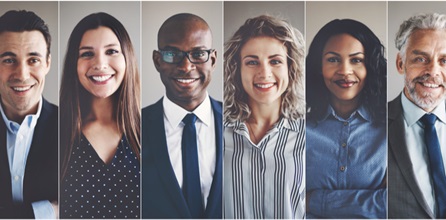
93,189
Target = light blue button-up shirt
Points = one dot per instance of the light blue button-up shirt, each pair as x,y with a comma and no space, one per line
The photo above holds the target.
346,166
18,141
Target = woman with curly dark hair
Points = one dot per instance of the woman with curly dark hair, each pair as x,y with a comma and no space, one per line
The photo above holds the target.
346,128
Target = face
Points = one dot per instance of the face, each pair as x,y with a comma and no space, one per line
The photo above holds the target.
424,68
23,66
264,70
343,68
186,82
101,63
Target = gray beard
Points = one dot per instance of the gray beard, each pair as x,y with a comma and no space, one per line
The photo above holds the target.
425,100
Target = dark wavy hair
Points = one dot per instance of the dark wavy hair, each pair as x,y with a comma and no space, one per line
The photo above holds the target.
373,95
75,100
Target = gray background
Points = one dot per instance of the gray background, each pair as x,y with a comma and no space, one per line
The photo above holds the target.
398,12
236,13
128,13
49,13
153,15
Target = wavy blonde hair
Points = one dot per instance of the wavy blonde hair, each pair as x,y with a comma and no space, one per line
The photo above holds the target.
235,98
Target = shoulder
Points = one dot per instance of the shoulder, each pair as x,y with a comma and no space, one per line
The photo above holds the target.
153,108
395,108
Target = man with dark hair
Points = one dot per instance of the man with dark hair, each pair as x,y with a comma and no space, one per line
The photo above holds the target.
28,123
182,133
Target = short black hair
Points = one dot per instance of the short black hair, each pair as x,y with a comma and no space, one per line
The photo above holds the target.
373,95
20,21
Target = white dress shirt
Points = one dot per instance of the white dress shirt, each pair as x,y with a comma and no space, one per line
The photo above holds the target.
207,151
18,140
417,148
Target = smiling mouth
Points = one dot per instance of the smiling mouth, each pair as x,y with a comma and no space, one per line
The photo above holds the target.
186,80
345,83
264,85
21,88
430,85
102,78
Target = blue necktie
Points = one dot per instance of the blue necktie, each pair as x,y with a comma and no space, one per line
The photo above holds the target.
191,171
436,163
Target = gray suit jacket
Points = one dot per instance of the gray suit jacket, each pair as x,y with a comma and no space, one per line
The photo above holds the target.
405,198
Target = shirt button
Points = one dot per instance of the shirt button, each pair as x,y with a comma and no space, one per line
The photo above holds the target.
343,168
345,123
16,178
344,145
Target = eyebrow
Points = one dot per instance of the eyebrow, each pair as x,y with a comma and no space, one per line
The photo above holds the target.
419,52
11,54
350,55
257,57
176,48
91,48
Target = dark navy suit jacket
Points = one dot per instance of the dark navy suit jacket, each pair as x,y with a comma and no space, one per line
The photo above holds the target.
161,193
41,171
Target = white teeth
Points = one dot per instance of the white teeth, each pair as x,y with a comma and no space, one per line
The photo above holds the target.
186,80
430,85
101,78
21,89
264,86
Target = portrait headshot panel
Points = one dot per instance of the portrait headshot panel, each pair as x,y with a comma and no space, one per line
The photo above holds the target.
153,15
264,135
346,144
100,110
398,12
48,11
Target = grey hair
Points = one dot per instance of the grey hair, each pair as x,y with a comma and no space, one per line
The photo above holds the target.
235,98
432,21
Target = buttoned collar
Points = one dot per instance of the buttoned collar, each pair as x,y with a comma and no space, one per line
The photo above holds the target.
29,120
361,111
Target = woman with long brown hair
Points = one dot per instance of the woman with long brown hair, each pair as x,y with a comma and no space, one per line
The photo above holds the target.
100,122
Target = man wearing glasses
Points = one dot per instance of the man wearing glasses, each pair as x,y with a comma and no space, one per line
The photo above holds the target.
182,132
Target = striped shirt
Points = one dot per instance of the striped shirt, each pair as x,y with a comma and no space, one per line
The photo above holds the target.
266,180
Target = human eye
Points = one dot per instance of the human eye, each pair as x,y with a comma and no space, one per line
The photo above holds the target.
33,61
333,60
357,60
276,61
251,62
86,54
419,60
9,61
198,54
111,51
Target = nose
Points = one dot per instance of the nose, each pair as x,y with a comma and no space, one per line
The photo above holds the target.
185,65
434,69
22,71
345,68
265,70
100,62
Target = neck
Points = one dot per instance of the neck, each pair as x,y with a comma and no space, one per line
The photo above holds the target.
189,104
263,117
18,115
102,109
344,108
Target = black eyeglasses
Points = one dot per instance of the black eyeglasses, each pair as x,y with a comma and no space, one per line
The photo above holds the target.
177,56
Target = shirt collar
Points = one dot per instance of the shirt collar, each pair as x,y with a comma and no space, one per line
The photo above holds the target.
29,120
413,113
283,123
175,114
361,111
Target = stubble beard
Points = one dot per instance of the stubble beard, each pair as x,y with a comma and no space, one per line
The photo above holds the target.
425,100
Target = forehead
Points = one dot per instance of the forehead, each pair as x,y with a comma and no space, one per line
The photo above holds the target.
186,37
263,45
101,36
427,41
343,43
22,42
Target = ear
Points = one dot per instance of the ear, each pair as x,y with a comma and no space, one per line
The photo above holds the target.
399,63
213,59
156,57
48,64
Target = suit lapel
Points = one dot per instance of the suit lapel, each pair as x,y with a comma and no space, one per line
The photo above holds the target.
5,174
214,205
163,164
397,144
